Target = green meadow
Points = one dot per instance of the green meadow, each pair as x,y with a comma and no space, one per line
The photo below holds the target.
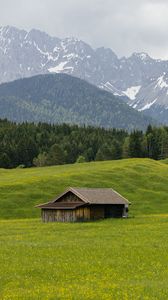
143,182
109,259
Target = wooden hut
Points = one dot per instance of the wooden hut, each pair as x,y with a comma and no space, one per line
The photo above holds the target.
83,204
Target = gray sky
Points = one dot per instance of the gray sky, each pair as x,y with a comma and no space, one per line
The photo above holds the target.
125,26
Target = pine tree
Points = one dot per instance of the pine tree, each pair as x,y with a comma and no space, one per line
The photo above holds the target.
55,156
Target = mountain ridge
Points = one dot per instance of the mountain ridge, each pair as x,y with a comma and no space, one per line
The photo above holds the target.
61,98
25,54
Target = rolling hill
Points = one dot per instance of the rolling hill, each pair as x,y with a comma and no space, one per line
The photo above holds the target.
144,182
60,98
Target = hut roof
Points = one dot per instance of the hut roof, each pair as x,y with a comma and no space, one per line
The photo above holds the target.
88,196
99,195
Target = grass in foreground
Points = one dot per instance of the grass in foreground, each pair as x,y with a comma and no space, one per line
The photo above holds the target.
115,259
111,259
143,181
165,161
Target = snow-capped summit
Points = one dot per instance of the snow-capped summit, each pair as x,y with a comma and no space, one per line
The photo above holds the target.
141,55
153,99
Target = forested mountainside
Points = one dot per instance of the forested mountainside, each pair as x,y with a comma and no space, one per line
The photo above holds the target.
43,144
141,80
61,98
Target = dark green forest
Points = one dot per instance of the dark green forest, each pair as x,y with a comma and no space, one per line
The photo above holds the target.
42,144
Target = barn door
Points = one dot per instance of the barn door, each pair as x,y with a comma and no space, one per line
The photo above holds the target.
114,211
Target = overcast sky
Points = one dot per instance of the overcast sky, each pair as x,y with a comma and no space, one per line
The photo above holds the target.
125,26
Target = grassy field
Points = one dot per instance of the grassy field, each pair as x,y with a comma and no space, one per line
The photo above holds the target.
144,182
115,259
111,259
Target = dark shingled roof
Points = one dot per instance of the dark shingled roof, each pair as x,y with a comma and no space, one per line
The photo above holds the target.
88,196
99,195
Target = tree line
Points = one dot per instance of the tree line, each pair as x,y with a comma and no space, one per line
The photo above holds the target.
42,144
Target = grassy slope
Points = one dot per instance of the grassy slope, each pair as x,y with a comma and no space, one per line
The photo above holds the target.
165,161
144,182
108,260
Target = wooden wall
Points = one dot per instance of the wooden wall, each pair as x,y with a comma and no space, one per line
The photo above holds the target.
81,214
69,197
66,215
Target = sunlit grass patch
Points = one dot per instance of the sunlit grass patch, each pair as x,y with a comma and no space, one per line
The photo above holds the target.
110,259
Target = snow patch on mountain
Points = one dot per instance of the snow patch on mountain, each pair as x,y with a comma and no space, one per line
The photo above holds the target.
161,82
58,68
132,91
110,88
47,54
143,56
147,106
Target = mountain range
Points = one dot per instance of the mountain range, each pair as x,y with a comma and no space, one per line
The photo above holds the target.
61,98
139,80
